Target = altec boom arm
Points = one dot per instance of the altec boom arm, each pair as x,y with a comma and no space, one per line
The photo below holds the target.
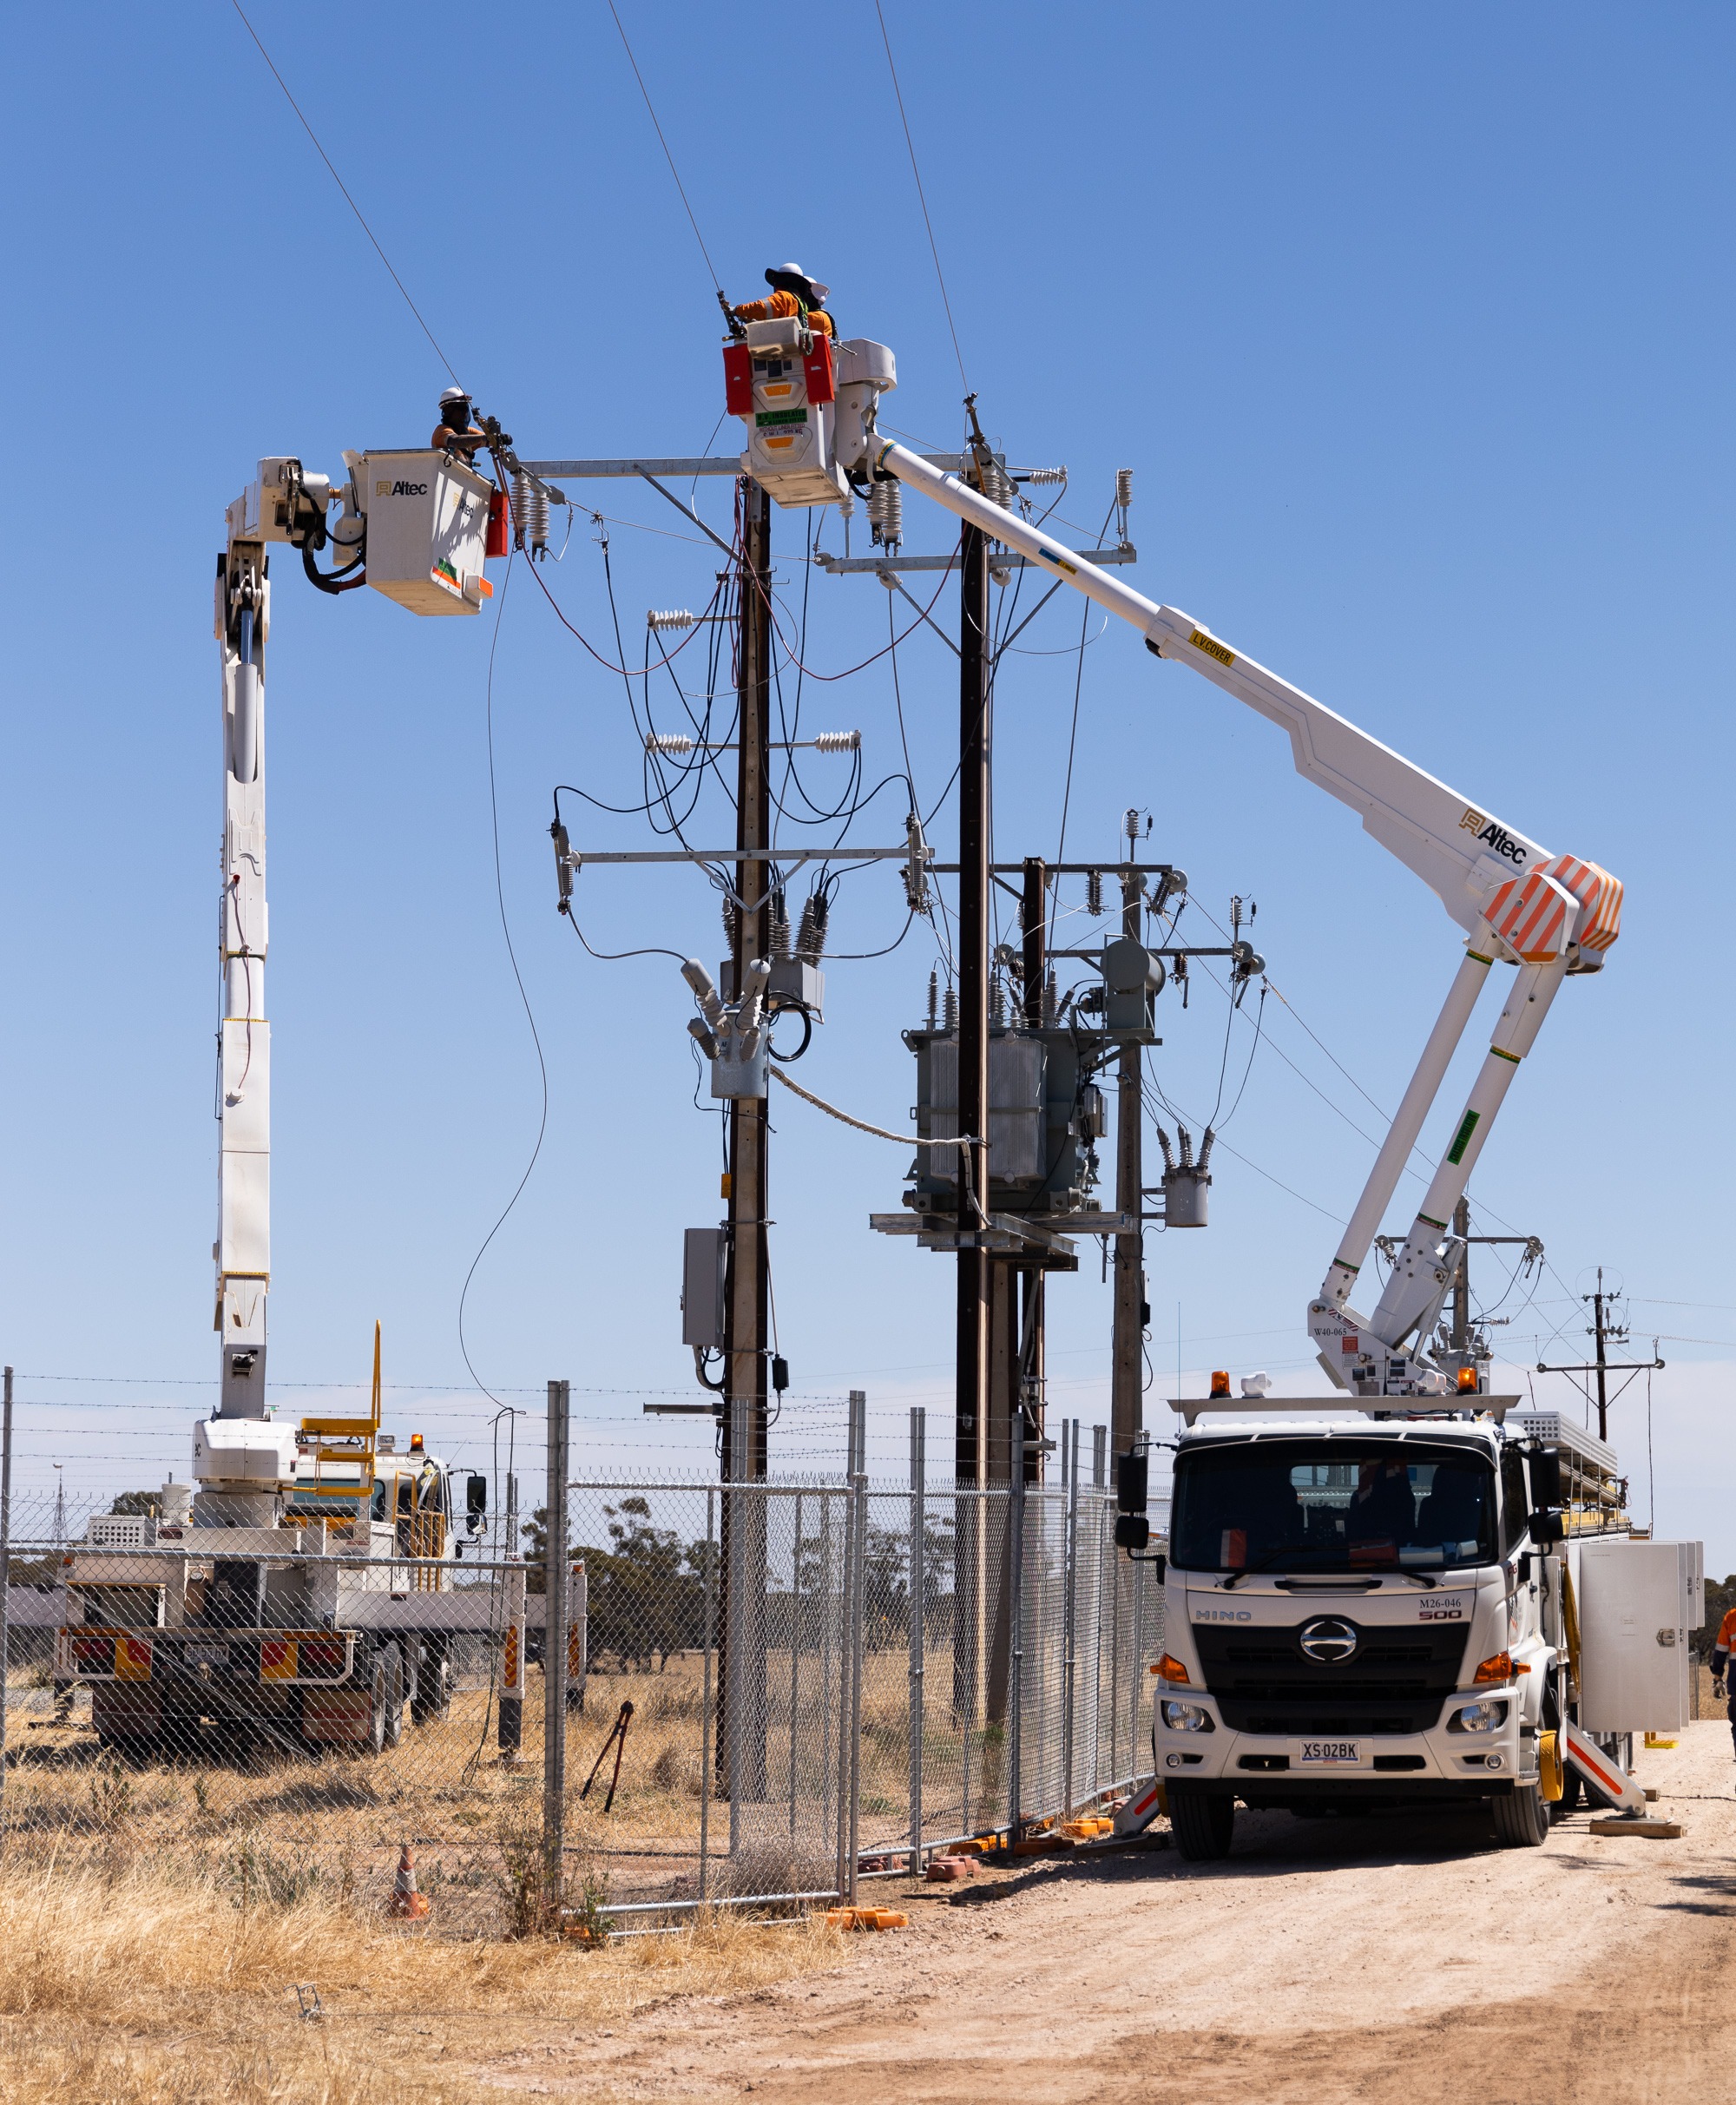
1546,914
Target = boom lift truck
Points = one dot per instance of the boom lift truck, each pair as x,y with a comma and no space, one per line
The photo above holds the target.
307,1587
1433,1604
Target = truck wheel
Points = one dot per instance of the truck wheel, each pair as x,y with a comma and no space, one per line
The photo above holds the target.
1202,1826
1522,1820
433,1697
1573,1791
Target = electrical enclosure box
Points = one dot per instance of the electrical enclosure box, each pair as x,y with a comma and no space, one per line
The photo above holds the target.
1637,1601
702,1266
427,517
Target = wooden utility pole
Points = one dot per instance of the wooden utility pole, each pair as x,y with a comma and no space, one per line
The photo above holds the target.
1028,1400
971,1451
974,749
1601,1333
1461,1330
1127,1357
741,1674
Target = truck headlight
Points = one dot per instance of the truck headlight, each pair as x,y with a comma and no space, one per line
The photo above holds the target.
1485,1717
1187,1718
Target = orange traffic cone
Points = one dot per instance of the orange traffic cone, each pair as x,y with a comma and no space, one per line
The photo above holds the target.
406,1900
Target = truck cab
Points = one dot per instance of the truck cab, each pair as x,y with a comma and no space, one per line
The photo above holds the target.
1373,1611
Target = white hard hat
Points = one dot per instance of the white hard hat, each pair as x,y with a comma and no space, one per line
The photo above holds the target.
455,394
817,291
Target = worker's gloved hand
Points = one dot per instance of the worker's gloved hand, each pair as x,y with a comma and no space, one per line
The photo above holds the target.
1718,1690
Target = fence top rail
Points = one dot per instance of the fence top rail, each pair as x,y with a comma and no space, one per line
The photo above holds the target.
876,1487
65,1555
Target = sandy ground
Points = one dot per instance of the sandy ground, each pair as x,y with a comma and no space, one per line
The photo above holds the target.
1379,1959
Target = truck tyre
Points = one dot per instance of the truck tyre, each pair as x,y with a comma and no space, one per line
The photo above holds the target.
1522,1820
1203,1826
1573,1791
433,1697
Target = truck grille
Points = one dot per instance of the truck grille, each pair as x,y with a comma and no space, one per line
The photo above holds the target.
1394,1683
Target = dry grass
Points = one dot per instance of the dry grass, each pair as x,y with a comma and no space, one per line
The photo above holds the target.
128,1984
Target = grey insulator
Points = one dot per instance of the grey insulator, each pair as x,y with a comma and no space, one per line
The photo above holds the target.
933,997
1049,1002
780,926
1169,1152
998,1002
1093,893
731,922
530,513
886,512
811,936
949,1010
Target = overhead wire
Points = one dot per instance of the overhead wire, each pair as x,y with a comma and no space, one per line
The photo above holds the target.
921,195
360,221
518,979
664,143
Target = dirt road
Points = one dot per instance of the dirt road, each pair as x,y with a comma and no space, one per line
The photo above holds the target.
1379,1959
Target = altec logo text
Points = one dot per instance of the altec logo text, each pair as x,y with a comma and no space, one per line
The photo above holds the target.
384,489
1496,838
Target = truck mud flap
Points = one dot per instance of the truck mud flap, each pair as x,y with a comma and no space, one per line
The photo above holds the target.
338,1716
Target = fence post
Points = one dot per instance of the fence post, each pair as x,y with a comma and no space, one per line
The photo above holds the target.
1015,1576
705,1706
846,1581
918,1603
555,1654
510,1719
5,1575
795,1662
858,1455
1070,1440
737,1615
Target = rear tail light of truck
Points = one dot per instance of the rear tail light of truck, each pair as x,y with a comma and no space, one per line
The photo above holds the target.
312,1657
93,1655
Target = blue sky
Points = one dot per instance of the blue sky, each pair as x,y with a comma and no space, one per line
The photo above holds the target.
1413,326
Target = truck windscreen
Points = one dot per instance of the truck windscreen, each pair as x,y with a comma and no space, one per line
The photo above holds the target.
1309,1506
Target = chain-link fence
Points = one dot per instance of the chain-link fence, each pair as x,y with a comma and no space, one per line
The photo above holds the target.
772,1688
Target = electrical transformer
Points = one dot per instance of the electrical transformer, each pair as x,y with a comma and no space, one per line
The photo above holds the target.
1045,1120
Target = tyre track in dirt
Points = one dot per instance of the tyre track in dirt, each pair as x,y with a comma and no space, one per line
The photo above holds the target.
1374,1959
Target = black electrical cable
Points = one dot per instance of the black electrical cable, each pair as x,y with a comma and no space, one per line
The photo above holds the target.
654,950
518,977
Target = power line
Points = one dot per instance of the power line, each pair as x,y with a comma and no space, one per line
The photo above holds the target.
921,196
518,977
664,143
348,200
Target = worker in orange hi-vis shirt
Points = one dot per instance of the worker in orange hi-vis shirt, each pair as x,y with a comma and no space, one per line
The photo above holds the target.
1721,1663
794,295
